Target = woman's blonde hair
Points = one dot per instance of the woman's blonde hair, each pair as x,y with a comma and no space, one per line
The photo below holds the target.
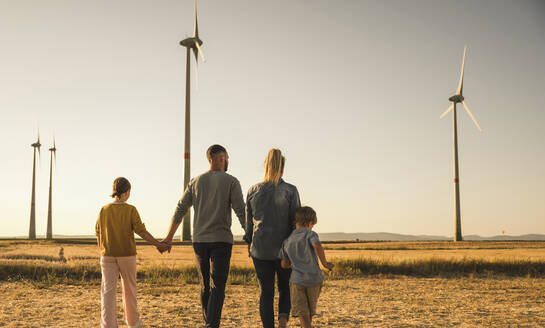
274,166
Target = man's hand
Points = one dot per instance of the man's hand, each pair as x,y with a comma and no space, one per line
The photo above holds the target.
171,231
328,265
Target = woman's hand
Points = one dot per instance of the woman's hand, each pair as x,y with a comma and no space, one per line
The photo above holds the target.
285,264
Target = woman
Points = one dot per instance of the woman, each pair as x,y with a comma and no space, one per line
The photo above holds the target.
270,211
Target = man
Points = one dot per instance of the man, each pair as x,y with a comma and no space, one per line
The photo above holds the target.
212,195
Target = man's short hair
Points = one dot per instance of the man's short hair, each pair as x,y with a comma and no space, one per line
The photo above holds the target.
305,215
214,150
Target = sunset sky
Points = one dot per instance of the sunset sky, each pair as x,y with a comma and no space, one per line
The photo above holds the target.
350,91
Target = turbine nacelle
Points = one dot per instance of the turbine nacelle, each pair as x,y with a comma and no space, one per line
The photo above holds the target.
37,144
457,98
191,42
53,150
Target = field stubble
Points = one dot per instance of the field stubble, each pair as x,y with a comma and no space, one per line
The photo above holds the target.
427,284
365,302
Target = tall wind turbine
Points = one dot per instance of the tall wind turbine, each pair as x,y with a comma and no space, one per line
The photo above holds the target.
53,152
192,43
458,98
32,228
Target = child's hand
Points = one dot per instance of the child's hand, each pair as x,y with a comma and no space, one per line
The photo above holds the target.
329,265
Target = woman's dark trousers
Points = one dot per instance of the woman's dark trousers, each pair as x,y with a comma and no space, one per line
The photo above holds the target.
266,271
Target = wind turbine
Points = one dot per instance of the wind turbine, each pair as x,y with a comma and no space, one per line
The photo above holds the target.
458,98
32,228
192,43
53,151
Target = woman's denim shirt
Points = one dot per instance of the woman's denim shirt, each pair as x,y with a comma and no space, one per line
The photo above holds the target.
270,211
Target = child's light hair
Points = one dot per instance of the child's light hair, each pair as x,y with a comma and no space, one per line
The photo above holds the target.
305,215
274,166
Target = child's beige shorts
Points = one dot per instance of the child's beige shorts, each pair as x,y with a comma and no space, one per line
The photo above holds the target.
304,299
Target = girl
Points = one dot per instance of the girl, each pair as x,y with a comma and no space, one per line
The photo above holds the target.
115,228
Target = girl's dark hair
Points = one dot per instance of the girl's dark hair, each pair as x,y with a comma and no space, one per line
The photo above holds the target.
305,215
120,186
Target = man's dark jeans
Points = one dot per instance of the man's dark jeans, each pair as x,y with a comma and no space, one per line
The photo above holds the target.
219,254
266,270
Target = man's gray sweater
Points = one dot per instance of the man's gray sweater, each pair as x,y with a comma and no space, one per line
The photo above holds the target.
212,195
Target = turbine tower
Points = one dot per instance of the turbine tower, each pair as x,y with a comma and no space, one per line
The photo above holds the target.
458,98
192,44
53,151
32,228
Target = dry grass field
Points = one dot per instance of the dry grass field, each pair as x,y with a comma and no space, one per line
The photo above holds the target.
38,290
389,251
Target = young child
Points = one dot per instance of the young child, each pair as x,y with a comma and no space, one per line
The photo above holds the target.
115,228
301,252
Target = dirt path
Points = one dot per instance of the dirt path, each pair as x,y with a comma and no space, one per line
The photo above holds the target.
369,302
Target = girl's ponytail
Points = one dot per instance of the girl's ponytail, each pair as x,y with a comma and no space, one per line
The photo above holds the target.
120,186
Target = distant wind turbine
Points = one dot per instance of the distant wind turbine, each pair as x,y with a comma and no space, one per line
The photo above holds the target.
32,228
458,98
53,151
192,43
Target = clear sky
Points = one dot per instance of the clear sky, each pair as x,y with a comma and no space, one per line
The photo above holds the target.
350,91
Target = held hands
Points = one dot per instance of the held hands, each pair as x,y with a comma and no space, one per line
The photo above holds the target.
163,247
168,242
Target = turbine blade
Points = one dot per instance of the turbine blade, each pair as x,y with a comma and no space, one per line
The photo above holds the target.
196,53
472,117
196,68
196,26
461,84
448,110
55,152
39,147
199,51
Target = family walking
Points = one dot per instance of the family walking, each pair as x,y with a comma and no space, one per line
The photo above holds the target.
278,231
